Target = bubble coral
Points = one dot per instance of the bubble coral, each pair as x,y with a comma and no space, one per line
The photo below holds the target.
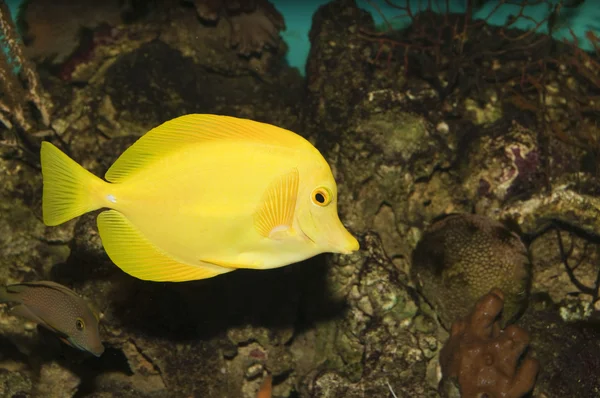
484,360
461,257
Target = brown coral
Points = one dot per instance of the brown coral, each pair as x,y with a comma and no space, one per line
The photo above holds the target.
484,360
53,27
255,24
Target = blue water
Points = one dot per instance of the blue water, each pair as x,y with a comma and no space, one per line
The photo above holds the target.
298,19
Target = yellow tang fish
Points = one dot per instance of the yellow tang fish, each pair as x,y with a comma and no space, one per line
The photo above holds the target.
201,195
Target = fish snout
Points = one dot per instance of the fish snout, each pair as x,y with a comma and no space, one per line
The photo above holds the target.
97,350
94,347
327,233
345,243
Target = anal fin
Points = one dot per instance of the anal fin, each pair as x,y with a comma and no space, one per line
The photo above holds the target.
23,311
137,256
234,266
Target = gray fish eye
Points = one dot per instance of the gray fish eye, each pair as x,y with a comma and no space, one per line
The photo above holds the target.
79,324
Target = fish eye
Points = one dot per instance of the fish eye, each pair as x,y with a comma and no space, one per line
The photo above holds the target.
79,324
321,196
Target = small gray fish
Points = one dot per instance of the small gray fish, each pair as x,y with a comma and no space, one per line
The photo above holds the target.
58,309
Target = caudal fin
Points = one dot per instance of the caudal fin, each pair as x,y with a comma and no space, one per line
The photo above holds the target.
69,189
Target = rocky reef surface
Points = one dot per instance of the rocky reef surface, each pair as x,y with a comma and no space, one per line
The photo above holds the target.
404,152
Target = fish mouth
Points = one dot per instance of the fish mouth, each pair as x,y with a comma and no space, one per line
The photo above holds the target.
98,351
343,242
307,236
304,234
350,244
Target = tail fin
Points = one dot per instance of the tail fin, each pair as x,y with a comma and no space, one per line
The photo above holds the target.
69,189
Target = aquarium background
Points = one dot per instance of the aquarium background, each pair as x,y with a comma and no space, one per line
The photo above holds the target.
298,18
466,158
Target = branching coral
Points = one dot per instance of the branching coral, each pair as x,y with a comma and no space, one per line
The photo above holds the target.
571,220
484,360
255,24
555,85
15,94
455,50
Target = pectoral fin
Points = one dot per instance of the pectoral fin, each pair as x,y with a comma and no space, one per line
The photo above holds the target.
281,232
274,217
23,311
136,255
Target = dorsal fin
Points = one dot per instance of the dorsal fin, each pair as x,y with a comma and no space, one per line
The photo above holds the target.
48,284
192,129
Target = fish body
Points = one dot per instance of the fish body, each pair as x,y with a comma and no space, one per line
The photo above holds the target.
202,195
59,309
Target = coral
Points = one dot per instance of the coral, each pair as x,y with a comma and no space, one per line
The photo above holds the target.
485,360
52,29
15,95
565,265
79,38
502,166
255,24
461,257
208,9
76,39
85,51
252,32
563,228
266,388
485,72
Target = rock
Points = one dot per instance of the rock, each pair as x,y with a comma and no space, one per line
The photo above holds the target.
565,265
502,166
567,351
377,332
14,384
23,237
56,382
563,205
